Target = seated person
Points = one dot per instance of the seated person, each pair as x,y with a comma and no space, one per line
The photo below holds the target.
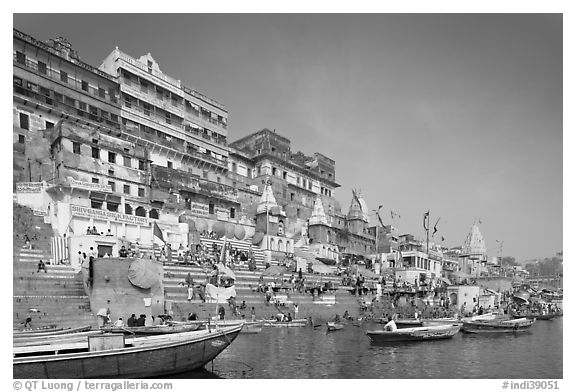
390,326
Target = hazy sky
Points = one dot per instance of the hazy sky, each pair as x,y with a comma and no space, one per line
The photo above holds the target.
458,114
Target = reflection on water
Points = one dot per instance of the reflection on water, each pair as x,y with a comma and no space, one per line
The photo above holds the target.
314,353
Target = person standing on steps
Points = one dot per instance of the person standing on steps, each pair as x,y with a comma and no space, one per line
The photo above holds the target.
41,266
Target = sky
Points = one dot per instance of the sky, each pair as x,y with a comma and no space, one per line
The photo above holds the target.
458,114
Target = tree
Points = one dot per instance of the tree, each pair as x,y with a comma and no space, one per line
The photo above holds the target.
508,261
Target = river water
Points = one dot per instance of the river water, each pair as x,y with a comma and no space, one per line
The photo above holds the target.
309,353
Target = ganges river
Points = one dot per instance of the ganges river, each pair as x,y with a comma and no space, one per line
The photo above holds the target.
309,353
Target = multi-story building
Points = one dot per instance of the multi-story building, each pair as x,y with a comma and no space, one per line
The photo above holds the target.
51,83
185,133
296,179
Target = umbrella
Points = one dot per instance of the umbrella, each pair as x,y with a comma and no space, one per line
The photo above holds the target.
274,270
225,272
445,280
239,232
321,268
258,237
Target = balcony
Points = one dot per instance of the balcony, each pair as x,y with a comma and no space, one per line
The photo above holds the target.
164,178
55,76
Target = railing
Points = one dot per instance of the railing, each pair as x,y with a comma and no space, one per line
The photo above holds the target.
35,42
55,76
174,178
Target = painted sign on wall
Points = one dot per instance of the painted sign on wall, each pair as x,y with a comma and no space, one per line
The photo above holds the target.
28,187
199,209
86,212
89,185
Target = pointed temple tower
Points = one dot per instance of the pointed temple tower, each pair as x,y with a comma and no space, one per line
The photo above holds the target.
270,221
320,233
474,251
357,214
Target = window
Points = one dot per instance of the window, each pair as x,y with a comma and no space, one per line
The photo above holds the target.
140,211
42,67
127,189
111,157
95,152
84,85
232,212
112,185
291,196
20,58
76,147
24,121
141,192
168,118
284,175
63,76
127,161
112,206
95,180
112,94
210,208
49,125
297,212
111,172
21,139
128,209
273,171
218,180
205,174
141,164
169,165
97,204
101,92
153,213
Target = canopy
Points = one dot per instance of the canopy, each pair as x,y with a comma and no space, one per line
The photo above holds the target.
321,268
219,229
274,270
201,225
239,232
225,272
258,237
445,280
141,274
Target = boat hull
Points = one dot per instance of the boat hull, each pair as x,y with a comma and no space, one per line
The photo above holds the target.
189,351
153,330
293,323
513,326
332,326
414,334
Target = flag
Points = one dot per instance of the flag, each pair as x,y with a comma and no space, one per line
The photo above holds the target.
158,233
443,239
70,229
379,219
426,215
435,229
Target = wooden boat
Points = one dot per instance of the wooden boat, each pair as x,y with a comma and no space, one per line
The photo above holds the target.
293,323
40,340
252,327
402,323
152,330
334,326
441,321
533,315
414,334
496,325
50,331
117,356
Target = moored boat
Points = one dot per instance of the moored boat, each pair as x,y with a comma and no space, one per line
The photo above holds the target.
115,356
497,325
334,326
414,334
293,323
153,329
402,323
50,331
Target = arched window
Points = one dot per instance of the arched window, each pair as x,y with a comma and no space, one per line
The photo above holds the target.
280,246
272,244
154,213
140,211
127,209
